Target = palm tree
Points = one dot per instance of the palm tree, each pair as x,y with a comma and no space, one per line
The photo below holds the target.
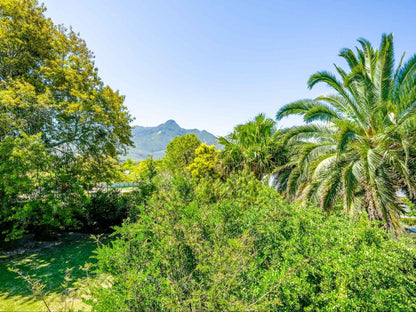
252,147
355,144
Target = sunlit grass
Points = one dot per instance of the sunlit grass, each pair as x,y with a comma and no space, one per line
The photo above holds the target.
48,265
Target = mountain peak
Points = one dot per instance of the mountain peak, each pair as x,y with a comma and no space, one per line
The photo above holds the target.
171,123
153,140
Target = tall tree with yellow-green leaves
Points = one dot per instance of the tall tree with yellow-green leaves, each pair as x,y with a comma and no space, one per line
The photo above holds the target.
206,163
180,153
355,145
52,98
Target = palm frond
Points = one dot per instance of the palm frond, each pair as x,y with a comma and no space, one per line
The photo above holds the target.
348,133
320,112
350,184
331,188
295,108
357,143
349,56
308,132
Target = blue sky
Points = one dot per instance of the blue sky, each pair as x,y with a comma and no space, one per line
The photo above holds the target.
215,64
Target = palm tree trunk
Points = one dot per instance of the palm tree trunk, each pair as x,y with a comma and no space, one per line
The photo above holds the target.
374,211
369,204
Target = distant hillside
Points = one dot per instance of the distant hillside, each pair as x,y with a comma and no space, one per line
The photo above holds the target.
153,140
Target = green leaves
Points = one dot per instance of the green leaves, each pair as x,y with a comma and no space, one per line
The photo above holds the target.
49,85
206,163
251,251
298,107
50,90
369,121
180,153
253,147
20,160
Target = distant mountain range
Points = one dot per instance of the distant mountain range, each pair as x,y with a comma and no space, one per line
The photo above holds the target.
153,140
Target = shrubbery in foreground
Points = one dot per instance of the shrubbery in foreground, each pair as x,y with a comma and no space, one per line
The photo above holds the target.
237,246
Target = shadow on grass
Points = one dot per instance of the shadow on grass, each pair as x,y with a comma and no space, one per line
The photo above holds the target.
47,265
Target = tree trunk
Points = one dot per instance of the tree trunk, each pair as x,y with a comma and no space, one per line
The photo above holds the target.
369,205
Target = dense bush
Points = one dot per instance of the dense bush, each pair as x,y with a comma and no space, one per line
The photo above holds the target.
104,209
107,208
237,246
141,193
42,202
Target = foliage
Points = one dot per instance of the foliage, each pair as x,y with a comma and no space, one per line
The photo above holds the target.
69,125
35,193
128,167
201,231
253,147
136,171
146,170
88,170
32,194
409,221
104,209
251,251
49,85
180,153
19,160
358,152
206,162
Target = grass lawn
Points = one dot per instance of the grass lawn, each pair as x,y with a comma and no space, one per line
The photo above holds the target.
47,263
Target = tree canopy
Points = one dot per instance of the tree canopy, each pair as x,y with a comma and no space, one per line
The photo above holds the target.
253,147
180,152
50,86
52,100
206,162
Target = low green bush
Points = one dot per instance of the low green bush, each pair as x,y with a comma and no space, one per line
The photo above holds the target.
139,196
103,210
249,250
107,208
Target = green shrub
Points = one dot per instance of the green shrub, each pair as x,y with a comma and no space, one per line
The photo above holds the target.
251,251
135,199
103,210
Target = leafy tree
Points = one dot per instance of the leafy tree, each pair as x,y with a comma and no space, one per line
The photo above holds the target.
19,162
358,152
50,90
104,209
89,170
180,152
252,147
206,162
135,171
146,169
129,167
49,85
